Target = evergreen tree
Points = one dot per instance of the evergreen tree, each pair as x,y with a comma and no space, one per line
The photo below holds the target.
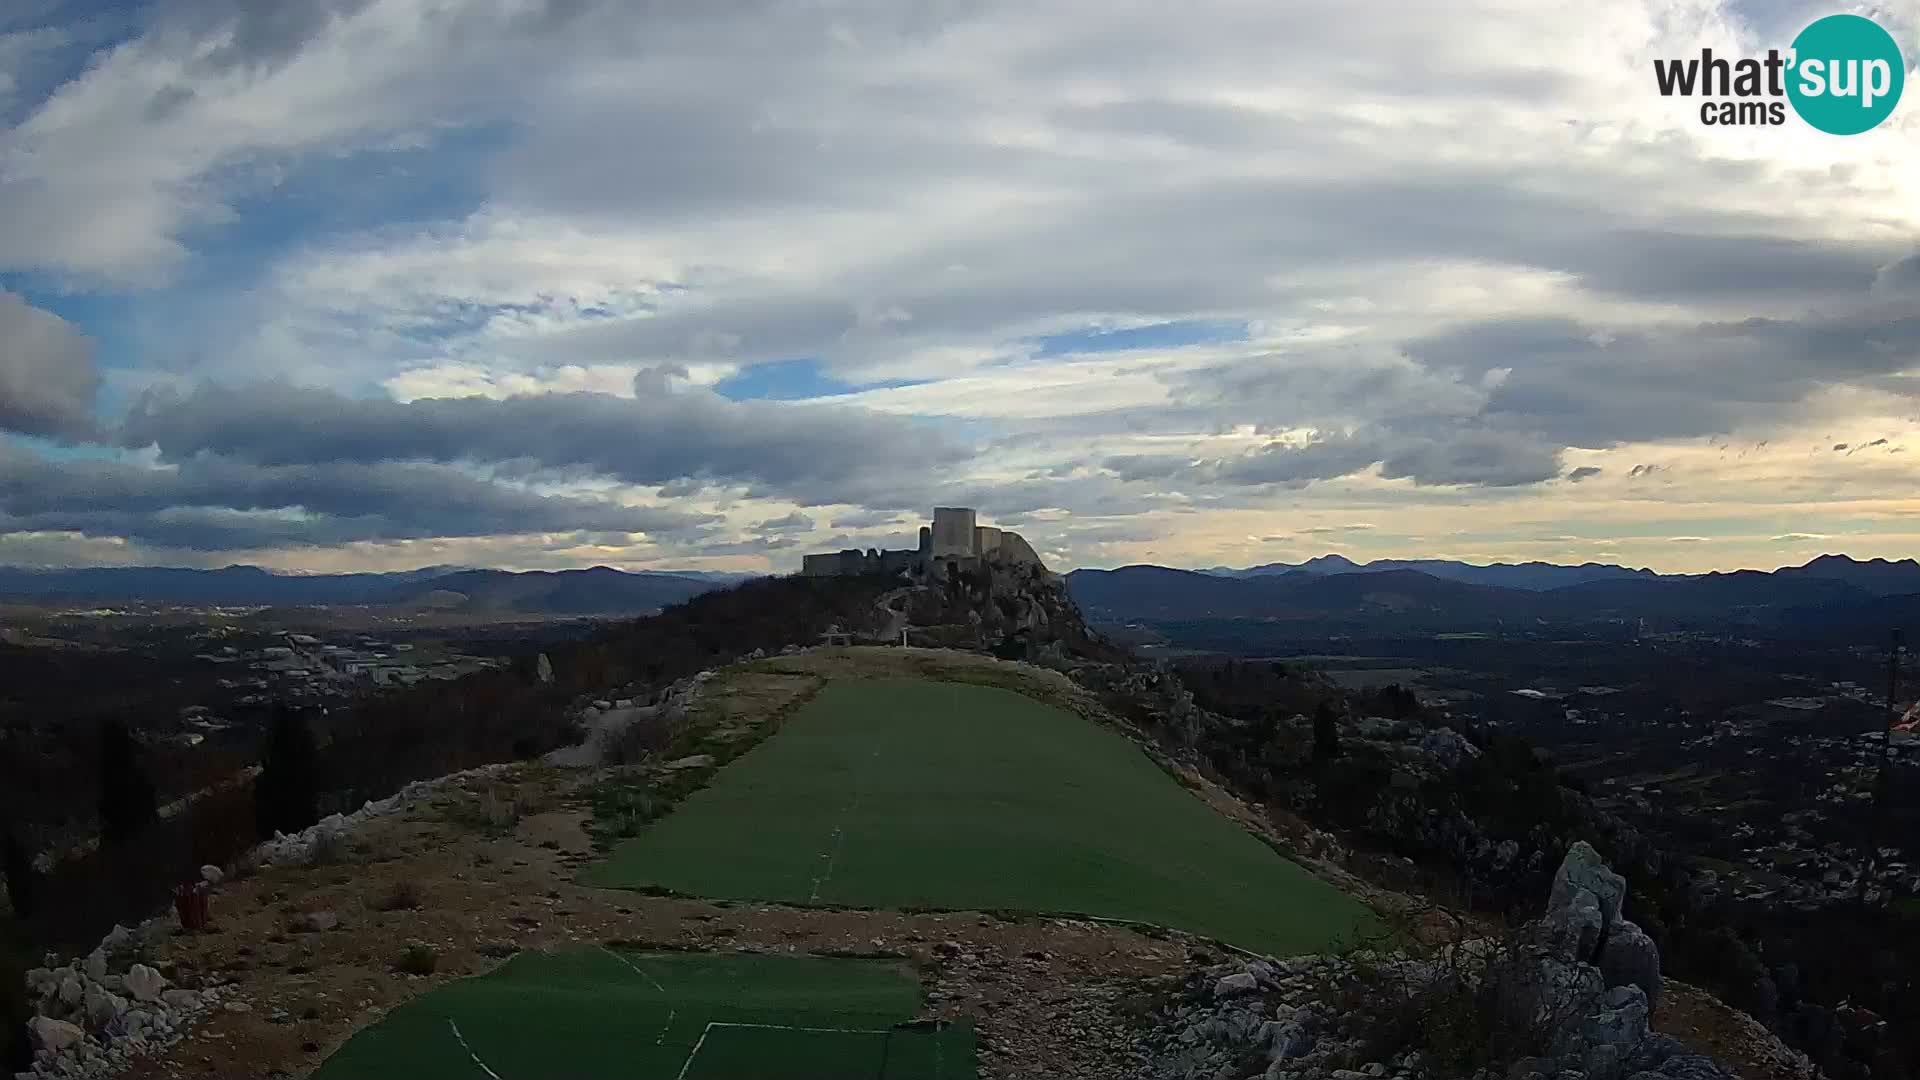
16,1048
22,879
1326,732
286,795
127,799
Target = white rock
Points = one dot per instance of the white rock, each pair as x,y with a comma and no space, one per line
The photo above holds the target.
102,1008
96,965
71,991
55,1035
118,938
1239,982
319,921
211,874
180,999
1583,868
144,983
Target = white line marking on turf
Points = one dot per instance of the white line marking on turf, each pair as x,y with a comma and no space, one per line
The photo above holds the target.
708,1030
671,1013
839,836
637,969
643,973
462,1039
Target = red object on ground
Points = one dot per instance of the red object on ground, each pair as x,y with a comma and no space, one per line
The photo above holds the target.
190,903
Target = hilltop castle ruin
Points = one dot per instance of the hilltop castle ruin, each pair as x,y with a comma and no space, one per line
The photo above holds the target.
955,539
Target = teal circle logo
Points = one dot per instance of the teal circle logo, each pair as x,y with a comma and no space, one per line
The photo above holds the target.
1846,74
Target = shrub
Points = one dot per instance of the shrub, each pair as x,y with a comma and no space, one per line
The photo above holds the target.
328,849
1480,1004
417,960
406,895
634,809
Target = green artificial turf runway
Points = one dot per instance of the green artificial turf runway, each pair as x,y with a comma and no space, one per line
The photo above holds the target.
605,1013
906,793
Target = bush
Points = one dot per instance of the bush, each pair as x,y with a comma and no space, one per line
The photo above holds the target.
417,960
329,848
406,895
1482,1004
633,810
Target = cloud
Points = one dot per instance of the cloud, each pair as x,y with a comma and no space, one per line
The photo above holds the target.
1584,472
47,377
1463,457
1899,278
794,522
1797,537
213,503
865,519
812,453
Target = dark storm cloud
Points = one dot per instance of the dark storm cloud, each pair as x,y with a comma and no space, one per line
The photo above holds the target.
1584,472
811,453
47,378
216,504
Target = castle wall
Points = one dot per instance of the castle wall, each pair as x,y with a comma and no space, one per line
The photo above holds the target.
827,565
952,532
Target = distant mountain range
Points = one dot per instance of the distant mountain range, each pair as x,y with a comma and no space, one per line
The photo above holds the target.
1877,576
1335,595
598,591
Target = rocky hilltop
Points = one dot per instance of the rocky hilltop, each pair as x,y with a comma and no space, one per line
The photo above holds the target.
1567,997
1373,803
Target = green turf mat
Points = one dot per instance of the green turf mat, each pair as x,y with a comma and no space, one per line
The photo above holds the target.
607,1013
907,793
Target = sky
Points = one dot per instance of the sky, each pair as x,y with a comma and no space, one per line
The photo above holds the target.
381,284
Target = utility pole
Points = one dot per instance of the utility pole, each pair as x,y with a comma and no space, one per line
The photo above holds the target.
1882,784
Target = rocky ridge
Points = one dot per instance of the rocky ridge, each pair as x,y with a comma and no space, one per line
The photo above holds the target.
1568,998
